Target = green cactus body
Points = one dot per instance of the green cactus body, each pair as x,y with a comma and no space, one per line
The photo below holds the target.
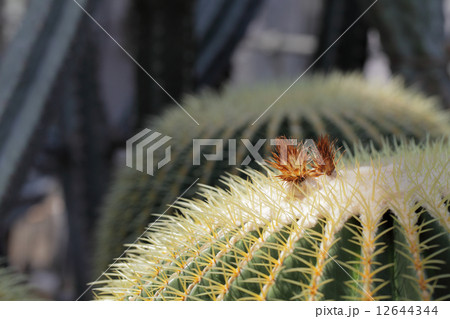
14,287
377,229
346,107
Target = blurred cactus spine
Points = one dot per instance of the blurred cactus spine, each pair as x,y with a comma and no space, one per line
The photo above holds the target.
14,287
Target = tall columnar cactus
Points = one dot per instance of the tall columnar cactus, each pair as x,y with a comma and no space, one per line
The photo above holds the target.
376,227
344,106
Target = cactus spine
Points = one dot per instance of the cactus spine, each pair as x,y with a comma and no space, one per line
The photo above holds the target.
346,107
379,228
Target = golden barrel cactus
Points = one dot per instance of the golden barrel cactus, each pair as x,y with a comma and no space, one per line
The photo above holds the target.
344,106
374,227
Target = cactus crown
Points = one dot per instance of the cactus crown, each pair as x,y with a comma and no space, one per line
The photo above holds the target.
376,229
296,165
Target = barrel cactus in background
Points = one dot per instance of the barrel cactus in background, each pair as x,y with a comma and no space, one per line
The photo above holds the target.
375,227
345,106
14,287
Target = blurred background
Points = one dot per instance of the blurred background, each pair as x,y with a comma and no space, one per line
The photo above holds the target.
70,96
